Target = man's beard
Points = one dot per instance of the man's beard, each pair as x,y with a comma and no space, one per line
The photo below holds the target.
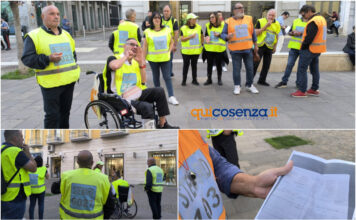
240,15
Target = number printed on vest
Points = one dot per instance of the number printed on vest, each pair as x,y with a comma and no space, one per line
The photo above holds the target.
65,49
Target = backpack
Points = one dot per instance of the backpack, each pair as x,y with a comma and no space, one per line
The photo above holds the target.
5,184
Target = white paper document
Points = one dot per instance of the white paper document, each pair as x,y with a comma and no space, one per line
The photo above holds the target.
314,189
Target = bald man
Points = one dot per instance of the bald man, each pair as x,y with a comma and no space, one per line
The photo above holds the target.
267,30
154,187
50,50
85,193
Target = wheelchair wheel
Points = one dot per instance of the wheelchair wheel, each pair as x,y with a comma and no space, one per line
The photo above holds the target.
99,114
117,212
129,211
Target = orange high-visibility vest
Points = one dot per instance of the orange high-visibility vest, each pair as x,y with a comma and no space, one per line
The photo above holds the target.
319,43
243,30
199,198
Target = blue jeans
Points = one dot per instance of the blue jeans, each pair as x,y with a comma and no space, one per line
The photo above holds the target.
292,57
13,209
165,66
306,58
40,197
237,64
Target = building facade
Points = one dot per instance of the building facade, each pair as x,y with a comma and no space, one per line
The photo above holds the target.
121,150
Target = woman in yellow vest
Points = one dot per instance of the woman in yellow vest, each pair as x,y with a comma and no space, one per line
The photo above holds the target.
38,188
157,47
191,39
214,46
99,167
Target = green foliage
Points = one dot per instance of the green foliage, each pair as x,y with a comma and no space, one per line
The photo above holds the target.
17,75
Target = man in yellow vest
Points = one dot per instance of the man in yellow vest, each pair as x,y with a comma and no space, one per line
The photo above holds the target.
85,194
169,21
241,37
313,44
154,187
129,69
16,162
224,142
38,188
203,173
50,50
267,30
99,166
294,44
126,29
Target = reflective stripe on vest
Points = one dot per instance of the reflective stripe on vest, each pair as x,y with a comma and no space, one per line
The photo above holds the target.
204,186
269,36
125,30
53,75
296,41
319,42
80,215
38,186
157,178
55,71
242,30
192,46
8,158
128,76
158,43
216,44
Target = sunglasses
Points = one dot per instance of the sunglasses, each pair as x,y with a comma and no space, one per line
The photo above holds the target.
156,17
239,8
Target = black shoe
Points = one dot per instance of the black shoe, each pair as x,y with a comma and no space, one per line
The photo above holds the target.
8,48
263,83
220,83
183,83
208,82
172,74
167,126
281,85
195,83
2,48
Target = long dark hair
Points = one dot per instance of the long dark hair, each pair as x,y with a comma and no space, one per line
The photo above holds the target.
218,22
152,26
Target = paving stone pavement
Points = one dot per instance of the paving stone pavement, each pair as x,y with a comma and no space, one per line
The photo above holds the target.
22,105
169,205
255,156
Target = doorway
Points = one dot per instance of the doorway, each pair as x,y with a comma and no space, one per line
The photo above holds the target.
114,163
55,167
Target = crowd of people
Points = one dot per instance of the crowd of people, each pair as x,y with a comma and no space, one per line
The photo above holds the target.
57,69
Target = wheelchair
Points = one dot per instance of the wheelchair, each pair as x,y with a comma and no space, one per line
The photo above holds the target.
122,207
111,111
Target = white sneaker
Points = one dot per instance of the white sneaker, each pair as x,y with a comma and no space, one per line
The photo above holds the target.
172,100
214,68
252,89
237,90
224,68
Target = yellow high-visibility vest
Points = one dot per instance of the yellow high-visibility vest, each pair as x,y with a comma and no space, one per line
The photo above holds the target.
125,30
169,24
64,72
192,46
117,183
37,180
269,36
8,158
84,193
158,44
296,41
216,44
217,132
157,178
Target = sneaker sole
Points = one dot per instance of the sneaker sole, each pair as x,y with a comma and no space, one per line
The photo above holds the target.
299,96
280,87
312,94
252,92
236,93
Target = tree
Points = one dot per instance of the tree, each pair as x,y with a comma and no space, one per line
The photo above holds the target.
14,5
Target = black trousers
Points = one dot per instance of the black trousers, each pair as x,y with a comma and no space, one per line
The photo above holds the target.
57,103
266,54
149,96
226,146
214,58
155,203
5,35
187,59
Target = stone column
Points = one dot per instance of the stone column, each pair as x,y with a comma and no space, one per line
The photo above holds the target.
80,16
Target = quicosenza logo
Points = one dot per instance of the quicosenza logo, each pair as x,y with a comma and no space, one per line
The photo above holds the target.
233,113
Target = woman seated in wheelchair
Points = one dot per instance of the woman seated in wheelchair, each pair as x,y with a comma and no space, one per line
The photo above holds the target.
118,181
129,70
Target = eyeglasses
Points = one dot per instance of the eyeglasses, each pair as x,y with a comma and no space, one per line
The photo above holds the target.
156,17
239,8
132,44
